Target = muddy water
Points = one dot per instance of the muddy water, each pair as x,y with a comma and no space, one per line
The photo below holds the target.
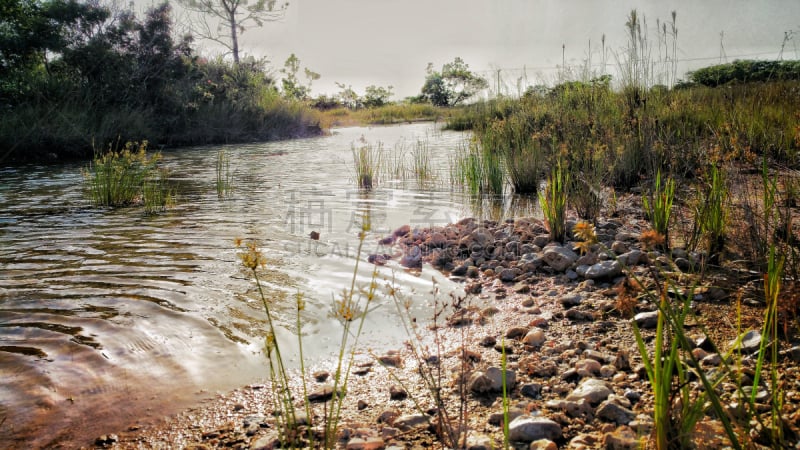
112,318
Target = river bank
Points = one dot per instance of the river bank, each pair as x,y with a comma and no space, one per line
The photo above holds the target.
563,320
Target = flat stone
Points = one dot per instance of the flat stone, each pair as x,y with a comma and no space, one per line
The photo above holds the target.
568,301
592,390
495,376
410,421
647,319
529,429
751,342
559,258
604,269
611,411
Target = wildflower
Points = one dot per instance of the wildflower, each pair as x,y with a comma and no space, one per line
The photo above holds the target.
237,242
585,232
651,239
252,258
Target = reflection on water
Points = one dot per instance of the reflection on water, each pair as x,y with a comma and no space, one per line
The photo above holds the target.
111,317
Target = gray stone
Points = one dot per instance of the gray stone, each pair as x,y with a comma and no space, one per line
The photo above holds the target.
559,258
568,301
495,376
410,421
605,269
508,275
619,247
647,319
592,390
611,411
751,342
531,390
632,258
529,429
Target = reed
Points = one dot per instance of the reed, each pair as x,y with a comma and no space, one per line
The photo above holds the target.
224,180
129,177
554,203
367,160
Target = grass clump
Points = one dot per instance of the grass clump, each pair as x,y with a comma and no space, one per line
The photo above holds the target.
128,177
658,206
554,203
367,160
224,180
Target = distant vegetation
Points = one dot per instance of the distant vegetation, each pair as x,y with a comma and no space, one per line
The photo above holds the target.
76,76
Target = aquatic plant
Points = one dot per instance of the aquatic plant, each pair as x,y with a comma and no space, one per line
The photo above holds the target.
129,176
367,160
224,181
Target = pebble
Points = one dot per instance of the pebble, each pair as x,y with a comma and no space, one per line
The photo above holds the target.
397,393
592,390
559,258
623,438
534,338
647,319
528,429
411,421
610,410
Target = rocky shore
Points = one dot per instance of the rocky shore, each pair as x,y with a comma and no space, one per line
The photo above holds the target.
551,322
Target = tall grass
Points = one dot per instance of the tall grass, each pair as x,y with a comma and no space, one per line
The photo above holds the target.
554,203
480,170
658,205
224,181
367,160
129,176
711,217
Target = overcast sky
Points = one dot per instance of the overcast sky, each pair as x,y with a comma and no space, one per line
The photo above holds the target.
383,42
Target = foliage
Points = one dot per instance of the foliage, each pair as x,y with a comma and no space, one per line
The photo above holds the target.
376,96
292,87
111,75
743,71
453,85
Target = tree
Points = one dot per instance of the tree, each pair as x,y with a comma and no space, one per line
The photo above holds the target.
453,85
234,17
377,96
292,88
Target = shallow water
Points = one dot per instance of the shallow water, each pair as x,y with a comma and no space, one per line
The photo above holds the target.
111,318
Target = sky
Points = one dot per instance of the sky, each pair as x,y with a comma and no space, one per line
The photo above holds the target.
382,42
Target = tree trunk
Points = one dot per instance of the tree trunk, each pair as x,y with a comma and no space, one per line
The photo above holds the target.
234,38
